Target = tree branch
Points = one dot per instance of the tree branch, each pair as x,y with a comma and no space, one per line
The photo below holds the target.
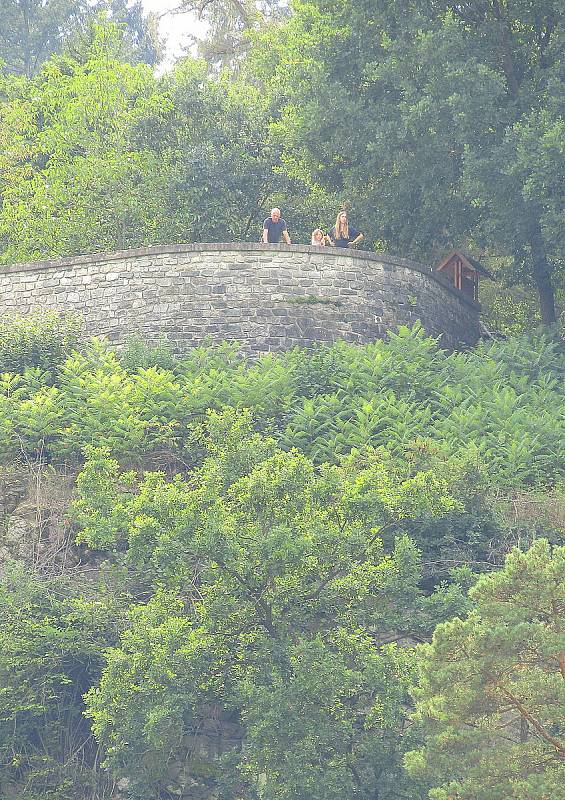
257,599
536,724
339,571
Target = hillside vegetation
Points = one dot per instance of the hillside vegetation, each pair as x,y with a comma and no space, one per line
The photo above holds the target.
248,555
326,575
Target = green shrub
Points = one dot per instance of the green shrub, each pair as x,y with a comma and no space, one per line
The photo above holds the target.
41,340
51,643
499,407
139,354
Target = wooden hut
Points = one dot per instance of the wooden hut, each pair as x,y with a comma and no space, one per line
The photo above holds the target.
463,271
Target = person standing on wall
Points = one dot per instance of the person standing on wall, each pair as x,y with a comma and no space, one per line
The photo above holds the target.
274,228
343,234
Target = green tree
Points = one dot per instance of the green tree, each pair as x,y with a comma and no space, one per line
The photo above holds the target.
42,340
223,163
97,154
73,177
439,123
269,593
513,169
492,688
278,605
33,30
51,640
225,43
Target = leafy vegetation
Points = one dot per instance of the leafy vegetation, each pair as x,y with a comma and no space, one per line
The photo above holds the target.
268,543
98,153
497,410
458,129
323,575
51,638
273,588
33,31
39,342
491,689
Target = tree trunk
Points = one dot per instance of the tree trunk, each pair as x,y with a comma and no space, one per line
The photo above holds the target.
26,13
541,273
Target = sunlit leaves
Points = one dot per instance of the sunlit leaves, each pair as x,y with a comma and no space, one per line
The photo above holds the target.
491,691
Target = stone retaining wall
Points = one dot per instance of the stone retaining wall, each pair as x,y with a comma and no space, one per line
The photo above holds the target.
268,297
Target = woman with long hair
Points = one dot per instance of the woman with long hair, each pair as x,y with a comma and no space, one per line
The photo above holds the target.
343,234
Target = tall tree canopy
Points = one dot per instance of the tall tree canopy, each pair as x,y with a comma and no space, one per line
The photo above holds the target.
74,173
438,122
99,154
438,125
33,30
227,23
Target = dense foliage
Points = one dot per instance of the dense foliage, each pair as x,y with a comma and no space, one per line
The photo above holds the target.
272,590
52,638
266,543
497,410
42,341
436,124
325,575
34,30
458,122
492,688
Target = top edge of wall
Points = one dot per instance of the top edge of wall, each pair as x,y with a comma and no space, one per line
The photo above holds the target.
219,247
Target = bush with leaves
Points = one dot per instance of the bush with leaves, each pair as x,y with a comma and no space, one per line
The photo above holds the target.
40,340
282,560
140,354
51,642
498,409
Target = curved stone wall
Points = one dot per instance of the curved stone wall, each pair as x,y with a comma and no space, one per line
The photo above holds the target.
268,297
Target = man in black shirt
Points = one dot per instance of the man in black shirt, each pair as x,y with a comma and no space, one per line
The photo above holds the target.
274,227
